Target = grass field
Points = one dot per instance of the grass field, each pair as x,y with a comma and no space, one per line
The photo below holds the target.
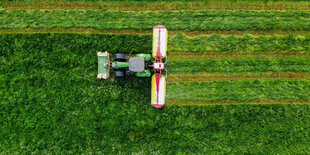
145,20
238,80
158,5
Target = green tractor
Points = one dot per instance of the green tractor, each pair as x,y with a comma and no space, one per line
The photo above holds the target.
139,65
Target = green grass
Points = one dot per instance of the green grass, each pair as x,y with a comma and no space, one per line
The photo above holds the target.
229,1
157,5
51,102
84,44
239,65
246,43
89,119
145,20
142,43
68,110
240,90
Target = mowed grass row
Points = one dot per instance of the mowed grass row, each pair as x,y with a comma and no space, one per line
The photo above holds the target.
157,5
52,102
132,1
126,43
146,20
240,65
232,43
240,90
205,76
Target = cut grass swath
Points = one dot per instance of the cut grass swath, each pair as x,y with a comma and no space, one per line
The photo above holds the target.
204,76
126,43
231,102
232,43
240,90
239,64
157,5
145,20
221,55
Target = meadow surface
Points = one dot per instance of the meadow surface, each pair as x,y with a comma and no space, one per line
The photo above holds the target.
238,80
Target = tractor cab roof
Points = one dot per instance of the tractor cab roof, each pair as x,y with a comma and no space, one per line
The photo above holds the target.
136,64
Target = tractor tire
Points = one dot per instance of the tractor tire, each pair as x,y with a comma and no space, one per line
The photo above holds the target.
119,57
119,73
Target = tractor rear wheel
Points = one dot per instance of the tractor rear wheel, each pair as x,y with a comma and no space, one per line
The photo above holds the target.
119,57
119,73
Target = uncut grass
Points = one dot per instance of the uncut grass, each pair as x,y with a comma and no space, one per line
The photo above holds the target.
51,102
81,43
163,5
240,90
145,20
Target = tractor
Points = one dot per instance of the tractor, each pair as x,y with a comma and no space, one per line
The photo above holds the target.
141,65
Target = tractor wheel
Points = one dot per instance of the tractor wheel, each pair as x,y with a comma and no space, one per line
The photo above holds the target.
119,73
119,57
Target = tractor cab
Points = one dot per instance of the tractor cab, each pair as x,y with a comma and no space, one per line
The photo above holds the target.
138,65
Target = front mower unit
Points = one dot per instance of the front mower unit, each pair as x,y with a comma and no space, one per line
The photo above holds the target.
141,65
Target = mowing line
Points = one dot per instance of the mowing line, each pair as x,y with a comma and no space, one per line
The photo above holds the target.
203,76
220,55
143,6
267,101
171,32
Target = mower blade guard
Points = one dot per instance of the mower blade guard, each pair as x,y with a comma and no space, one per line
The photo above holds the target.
158,90
103,65
160,39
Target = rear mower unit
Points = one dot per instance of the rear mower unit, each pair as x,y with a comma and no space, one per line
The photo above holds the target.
141,65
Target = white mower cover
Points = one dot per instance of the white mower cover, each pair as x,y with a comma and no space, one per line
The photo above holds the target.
160,39
158,90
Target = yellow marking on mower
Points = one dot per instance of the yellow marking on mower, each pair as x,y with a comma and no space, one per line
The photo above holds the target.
160,41
161,91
